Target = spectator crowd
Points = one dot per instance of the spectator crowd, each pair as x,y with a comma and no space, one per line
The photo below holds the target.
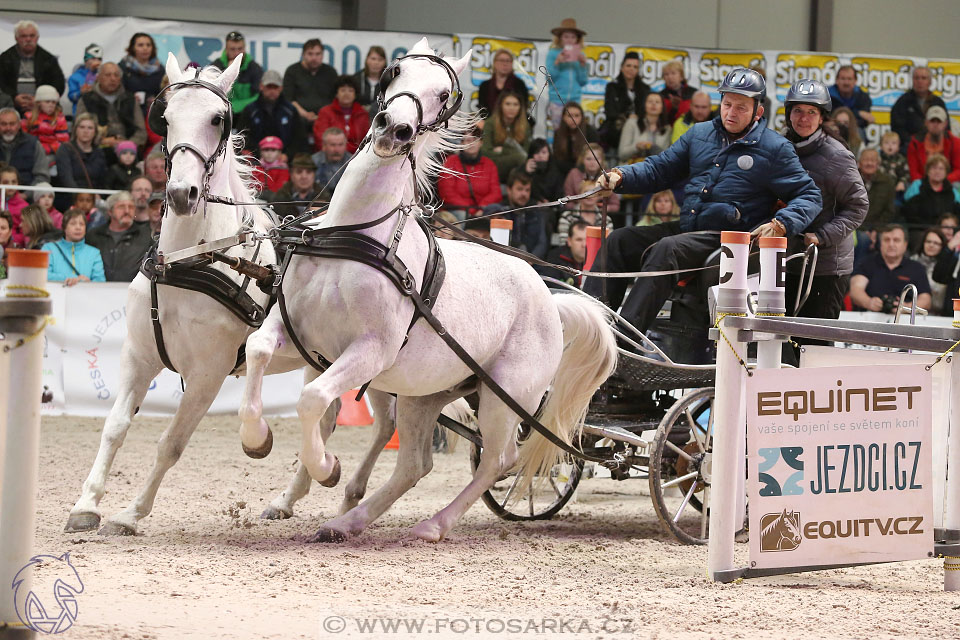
89,131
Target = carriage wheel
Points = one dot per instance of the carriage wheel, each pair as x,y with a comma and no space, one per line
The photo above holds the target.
538,504
680,462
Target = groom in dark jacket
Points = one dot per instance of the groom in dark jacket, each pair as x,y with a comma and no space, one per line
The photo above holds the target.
737,170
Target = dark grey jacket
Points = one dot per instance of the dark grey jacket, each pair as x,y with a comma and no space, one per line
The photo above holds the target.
834,170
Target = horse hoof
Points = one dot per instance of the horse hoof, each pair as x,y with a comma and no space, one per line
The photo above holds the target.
328,536
334,476
273,513
82,522
116,529
263,451
428,532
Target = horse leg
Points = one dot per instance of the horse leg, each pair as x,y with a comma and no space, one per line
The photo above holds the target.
355,366
135,380
498,428
255,434
416,417
199,395
384,423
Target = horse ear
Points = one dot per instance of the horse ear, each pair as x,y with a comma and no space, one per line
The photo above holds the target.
229,75
173,68
462,63
422,47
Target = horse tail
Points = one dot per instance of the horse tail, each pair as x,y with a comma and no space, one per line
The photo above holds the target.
589,357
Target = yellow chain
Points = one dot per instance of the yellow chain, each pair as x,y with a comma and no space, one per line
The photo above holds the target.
720,317
37,292
956,325
24,340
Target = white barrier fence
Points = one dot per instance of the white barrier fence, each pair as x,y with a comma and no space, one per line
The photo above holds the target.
81,360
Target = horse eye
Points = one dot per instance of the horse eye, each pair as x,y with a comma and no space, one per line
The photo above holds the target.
217,120
444,96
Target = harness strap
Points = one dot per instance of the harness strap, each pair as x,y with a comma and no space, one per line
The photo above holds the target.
304,234
319,363
157,329
485,378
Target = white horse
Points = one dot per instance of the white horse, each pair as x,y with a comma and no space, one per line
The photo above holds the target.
496,306
200,335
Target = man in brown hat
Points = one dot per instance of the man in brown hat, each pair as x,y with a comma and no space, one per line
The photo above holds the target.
567,64
300,187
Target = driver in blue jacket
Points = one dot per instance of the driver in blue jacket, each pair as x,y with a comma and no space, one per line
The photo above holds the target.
737,169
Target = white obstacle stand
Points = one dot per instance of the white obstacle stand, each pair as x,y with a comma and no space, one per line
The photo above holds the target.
500,229
734,330
23,312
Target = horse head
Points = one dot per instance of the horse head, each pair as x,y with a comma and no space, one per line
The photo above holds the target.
50,606
195,118
419,92
791,526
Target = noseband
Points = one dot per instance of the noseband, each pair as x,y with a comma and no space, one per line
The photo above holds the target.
450,103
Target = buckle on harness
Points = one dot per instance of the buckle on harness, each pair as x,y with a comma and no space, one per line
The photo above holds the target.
154,314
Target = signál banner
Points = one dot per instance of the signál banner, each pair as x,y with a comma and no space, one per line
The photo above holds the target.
839,465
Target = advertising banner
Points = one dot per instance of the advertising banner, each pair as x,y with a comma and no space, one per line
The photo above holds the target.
839,465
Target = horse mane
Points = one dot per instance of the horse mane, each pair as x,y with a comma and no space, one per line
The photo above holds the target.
433,147
767,530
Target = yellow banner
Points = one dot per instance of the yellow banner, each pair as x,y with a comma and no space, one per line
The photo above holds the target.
791,67
879,75
525,54
652,60
715,65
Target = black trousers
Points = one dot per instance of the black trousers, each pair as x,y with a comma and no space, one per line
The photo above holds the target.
825,301
661,247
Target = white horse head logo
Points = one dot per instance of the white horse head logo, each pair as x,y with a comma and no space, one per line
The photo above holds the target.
50,575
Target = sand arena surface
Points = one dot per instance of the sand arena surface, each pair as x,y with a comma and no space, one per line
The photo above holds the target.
205,565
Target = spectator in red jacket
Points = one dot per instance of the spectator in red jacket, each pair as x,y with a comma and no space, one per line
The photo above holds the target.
472,183
936,139
344,113
46,122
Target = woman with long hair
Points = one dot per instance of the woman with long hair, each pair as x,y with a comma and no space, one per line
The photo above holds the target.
37,227
662,207
506,134
846,124
927,255
81,162
71,259
142,71
623,99
648,135
368,78
567,65
588,169
547,181
567,140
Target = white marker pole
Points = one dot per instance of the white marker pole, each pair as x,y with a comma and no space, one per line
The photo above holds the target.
500,229
729,434
771,300
22,314
951,517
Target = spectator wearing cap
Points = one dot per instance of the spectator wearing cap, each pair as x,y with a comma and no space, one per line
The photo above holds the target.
22,151
345,113
45,121
142,71
245,88
119,117
26,65
330,159
125,170
155,211
935,139
301,187
908,115
308,84
276,173
271,114
85,75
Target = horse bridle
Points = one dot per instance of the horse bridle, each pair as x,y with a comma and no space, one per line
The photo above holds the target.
158,124
451,100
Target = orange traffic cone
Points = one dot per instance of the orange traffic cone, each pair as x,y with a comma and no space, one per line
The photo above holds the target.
394,441
353,412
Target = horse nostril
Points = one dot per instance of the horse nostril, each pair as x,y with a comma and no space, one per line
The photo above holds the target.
194,194
403,133
381,121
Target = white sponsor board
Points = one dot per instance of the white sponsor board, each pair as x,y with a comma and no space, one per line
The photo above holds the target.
839,465
82,360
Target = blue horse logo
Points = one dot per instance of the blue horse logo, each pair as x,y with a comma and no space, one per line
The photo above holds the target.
51,574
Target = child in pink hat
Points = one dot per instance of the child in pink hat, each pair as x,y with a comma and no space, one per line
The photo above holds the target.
274,166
